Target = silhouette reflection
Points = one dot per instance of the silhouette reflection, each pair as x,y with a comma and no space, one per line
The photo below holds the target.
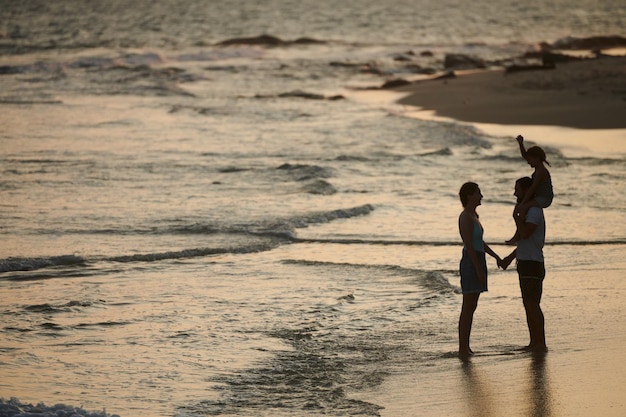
525,392
539,387
477,392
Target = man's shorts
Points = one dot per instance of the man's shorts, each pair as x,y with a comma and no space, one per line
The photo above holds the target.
470,283
531,275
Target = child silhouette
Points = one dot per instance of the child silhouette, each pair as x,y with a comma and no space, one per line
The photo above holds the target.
540,193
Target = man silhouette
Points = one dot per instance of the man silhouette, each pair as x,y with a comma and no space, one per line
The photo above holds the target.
530,266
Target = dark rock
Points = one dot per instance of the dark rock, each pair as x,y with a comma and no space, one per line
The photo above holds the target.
427,71
529,67
416,69
594,42
229,170
307,41
346,64
371,69
461,61
269,40
440,152
401,58
302,94
310,96
395,83
257,40
550,58
363,67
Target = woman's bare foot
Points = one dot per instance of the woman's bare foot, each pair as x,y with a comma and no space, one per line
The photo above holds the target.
465,354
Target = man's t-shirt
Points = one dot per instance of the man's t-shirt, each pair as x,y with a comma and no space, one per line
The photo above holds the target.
531,248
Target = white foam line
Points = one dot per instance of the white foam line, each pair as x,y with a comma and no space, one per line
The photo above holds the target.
572,142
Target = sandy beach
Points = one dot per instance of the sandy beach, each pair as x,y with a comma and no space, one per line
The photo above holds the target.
586,94
215,209
583,373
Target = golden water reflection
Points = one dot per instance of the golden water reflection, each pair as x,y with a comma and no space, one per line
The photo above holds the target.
517,391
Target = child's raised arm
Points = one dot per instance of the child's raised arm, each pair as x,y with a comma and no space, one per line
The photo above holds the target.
522,149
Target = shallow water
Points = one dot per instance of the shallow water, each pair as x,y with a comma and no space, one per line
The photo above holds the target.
190,229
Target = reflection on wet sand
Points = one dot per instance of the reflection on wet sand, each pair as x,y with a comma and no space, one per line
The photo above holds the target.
525,391
479,396
539,387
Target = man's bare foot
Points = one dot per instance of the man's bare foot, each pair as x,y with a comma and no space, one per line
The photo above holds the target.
534,349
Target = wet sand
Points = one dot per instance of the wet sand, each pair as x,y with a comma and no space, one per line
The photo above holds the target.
583,374
587,94
573,384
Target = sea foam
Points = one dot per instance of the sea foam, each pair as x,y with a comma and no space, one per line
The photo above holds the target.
15,408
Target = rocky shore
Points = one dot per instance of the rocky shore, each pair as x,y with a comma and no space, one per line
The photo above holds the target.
573,82
547,87
585,94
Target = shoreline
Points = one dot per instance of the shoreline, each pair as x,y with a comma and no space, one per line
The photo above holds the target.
588,94
583,372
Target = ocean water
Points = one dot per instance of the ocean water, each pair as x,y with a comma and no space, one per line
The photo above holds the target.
193,229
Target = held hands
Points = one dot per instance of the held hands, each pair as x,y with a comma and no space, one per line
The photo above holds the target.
501,264
504,263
